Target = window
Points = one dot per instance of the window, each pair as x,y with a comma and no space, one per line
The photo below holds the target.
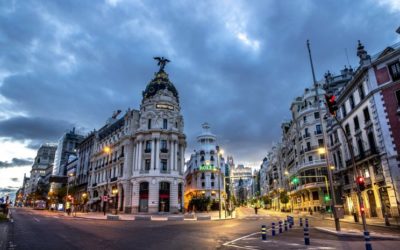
212,158
308,146
361,92
356,124
212,184
164,166
320,142
347,128
147,164
165,124
305,118
203,176
351,100
318,129
202,184
310,158
163,144
367,118
212,176
149,124
316,115
344,112
148,147
394,70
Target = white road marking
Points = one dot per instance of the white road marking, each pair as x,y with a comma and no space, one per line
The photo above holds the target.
230,242
36,219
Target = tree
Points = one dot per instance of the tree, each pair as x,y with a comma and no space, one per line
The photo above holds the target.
284,198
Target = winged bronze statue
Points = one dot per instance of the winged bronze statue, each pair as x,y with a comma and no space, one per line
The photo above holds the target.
161,62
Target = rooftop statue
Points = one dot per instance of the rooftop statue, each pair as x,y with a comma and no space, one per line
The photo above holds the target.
161,62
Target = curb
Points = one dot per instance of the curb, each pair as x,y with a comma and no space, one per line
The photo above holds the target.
357,234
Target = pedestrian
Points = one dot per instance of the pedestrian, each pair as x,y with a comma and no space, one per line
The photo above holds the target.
68,208
256,209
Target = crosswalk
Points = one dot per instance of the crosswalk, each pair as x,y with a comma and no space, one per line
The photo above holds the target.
256,217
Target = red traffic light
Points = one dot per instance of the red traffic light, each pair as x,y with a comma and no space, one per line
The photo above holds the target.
331,103
361,182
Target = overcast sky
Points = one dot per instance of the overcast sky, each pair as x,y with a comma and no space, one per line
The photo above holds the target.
236,64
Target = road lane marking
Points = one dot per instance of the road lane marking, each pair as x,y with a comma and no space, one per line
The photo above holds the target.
36,219
243,237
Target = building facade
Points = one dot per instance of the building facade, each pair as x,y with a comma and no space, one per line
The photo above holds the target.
205,173
138,159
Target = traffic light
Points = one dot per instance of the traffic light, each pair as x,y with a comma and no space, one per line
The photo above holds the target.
295,180
331,104
327,198
361,183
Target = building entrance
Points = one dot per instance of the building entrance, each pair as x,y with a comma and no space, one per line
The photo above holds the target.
144,197
164,195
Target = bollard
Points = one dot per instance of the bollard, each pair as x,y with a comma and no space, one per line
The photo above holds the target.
273,229
285,223
263,232
280,226
301,222
367,241
306,236
306,222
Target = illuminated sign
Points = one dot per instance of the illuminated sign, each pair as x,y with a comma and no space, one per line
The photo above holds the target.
164,106
207,167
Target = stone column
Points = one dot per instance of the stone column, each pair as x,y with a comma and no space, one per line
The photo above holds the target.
140,153
128,161
171,156
175,155
152,165
134,196
182,154
157,152
174,206
134,158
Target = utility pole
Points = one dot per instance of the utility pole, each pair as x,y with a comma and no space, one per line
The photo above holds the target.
328,169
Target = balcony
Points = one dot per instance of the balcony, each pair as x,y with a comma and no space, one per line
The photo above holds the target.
164,150
165,171
311,164
144,171
306,135
147,150
114,179
318,132
94,184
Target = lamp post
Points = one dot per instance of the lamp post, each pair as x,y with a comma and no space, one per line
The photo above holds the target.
67,196
106,150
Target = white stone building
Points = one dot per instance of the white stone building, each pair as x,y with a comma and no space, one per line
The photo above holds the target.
138,160
205,169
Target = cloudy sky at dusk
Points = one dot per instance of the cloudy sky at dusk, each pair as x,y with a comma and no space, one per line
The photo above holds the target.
236,64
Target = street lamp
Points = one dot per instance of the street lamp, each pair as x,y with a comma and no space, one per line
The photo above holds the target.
106,150
68,196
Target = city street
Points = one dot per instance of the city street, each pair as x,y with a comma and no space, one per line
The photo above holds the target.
33,229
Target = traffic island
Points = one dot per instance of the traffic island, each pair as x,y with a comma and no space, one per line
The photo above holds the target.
112,217
175,218
143,217
203,217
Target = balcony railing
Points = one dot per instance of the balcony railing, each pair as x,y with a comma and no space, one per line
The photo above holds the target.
318,132
94,184
306,135
165,171
147,150
144,171
164,150
113,179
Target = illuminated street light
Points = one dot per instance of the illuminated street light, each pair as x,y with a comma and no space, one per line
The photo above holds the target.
107,149
321,151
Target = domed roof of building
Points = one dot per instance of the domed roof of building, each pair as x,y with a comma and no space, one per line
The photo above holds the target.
160,82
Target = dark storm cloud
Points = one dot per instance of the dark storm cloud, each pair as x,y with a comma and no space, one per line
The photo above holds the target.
33,128
15,162
237,65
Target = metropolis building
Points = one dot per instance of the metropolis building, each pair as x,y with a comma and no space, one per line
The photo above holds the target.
138,160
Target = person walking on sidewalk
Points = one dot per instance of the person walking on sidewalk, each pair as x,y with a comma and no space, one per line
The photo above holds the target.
255,209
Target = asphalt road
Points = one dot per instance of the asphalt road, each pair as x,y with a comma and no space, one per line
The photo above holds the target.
44,230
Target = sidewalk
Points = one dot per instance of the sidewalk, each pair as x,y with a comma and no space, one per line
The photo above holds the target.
214,215
347,218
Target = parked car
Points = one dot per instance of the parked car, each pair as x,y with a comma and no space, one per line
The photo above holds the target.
40,205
